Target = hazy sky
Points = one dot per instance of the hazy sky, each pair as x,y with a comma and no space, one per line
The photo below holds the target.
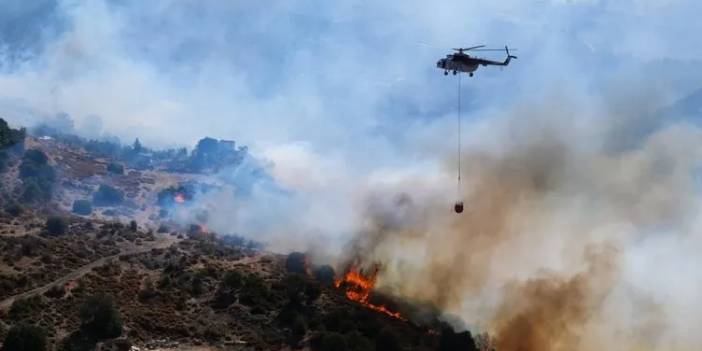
345,77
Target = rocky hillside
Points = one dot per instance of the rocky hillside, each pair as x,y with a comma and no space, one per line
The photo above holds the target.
90,259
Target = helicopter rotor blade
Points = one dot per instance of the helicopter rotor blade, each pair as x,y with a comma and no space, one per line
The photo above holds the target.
470,48
494,50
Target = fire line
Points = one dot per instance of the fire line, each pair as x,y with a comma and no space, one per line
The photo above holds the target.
358,288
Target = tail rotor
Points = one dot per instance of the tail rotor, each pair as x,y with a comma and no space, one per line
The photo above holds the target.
508,54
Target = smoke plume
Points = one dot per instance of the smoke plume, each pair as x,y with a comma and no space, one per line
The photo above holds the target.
547,255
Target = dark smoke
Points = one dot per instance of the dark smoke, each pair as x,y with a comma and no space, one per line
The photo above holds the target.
553,213
546,313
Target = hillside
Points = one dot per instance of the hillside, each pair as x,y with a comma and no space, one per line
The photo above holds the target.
92,257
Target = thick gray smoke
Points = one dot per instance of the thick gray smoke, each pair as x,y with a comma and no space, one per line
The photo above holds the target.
566,243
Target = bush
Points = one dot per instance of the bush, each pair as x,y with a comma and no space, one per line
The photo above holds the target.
339,321
133,226
23,307
330,342
299,326
147,292
296,263
313,291
25,338
196,286
387,340
30,245
233,280
358,342
55,292
56,226
325,275
14,209
37,176
9,136
82,207
3,161
31,192
115,168
451,341
100,317
254,292
107,196
36,156
294,288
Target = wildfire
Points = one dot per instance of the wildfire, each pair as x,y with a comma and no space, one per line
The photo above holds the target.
179,198
359,287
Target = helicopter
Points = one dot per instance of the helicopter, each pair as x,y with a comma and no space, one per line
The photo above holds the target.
462,62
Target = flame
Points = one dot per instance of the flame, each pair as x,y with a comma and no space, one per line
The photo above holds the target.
358,288
179,198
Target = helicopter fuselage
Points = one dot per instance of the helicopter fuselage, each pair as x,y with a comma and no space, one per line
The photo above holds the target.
457,65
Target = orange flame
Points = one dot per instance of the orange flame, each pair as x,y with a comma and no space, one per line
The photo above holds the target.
179,198
358,288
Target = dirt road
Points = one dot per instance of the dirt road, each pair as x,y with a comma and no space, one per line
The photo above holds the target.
160,243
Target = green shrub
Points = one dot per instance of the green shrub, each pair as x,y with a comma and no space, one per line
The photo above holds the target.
339,321
164,282
25,338
196,286
223,299
330,342
299,326
9,136
325,275
37,176
107,196
14,209
24,307
296,263
82,207
233,280
294,288
100,317
3,161
31,192
387,340
254,291
358,342
147,292
313,291
451,340
115,168
36,157
56,226
55,292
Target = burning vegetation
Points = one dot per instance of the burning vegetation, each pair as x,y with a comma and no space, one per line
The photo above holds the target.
359,287
179,198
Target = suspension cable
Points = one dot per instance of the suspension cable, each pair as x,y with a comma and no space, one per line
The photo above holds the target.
458,185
